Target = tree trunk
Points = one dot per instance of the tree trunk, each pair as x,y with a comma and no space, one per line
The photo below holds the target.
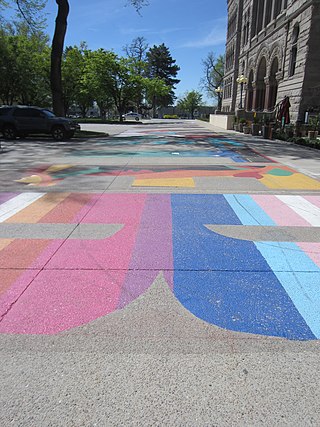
56,57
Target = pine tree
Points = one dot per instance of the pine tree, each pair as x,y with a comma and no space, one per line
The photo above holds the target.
160,64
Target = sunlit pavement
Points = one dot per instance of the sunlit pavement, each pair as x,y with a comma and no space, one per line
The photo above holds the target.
166,275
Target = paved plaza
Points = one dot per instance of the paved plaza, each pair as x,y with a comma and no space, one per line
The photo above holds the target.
167,274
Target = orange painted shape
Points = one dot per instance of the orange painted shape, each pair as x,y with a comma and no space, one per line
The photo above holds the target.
7,278
4,243
34,212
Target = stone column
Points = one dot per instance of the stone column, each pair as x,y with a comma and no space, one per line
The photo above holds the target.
267,94
254,95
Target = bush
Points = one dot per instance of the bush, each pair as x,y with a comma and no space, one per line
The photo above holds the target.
170,116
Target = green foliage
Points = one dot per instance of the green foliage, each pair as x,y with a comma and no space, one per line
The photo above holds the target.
161,65
170,116
190,102
27,11
24,64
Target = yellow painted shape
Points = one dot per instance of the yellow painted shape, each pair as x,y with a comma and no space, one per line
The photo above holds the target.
38,209
297,181
33,179
57,168
4,243
165,182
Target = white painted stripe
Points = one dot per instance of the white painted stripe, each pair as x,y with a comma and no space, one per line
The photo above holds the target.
302,207
15,205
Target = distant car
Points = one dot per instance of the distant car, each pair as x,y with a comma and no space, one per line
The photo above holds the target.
132,116
22,121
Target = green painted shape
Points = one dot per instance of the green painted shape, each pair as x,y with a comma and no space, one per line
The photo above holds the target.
280,172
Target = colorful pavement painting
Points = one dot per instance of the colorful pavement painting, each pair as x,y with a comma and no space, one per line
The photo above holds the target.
272,177
170,144
263,287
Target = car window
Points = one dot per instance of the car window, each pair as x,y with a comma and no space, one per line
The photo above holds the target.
48,113
33,112
22,112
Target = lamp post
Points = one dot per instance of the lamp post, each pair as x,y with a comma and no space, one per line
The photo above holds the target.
242,80
219,91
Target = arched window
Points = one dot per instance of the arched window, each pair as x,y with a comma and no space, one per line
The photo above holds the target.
261,85
294,50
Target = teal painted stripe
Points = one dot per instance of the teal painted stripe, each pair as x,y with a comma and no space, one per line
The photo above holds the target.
299,276
297,273
247,210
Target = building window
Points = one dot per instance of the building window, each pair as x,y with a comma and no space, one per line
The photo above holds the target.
294,50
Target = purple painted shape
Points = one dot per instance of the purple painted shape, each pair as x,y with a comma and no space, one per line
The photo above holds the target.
4,197
152,252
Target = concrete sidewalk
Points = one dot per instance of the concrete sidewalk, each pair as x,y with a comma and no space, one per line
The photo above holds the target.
137,287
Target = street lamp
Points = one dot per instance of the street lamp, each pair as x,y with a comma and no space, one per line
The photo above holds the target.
219,91
242,80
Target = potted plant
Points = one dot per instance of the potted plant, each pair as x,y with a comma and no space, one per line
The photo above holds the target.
236,124
255,126
242,123
246,128
266,129
314,123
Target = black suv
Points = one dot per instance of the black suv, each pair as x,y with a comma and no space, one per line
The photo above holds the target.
22,121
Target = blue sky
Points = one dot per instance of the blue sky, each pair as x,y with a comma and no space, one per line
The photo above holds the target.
190,29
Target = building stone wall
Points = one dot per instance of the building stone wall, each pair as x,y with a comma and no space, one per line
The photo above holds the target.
273,43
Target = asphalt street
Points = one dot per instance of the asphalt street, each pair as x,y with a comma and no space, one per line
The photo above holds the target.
166,275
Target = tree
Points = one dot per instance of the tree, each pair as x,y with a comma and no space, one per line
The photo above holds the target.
137,49
213,70
57,51
190,102
75,89
29,10
24,65
160,64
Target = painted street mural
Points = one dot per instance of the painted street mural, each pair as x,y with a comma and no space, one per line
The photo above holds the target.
271,177
235,261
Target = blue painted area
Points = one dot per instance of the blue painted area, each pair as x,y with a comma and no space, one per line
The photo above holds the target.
244,302
158,153
227,281
289,263
247,210
219,142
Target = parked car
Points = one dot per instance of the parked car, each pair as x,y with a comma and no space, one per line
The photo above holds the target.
132,116
22,121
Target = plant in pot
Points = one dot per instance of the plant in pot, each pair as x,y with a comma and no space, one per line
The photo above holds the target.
314,123
242,123
255,126
266,128
236,124
247,128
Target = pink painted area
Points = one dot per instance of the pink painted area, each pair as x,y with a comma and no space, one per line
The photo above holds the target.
315,200
16,288
280,213
113,252
153,248
312,250
60,300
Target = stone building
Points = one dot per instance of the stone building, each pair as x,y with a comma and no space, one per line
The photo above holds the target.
275,44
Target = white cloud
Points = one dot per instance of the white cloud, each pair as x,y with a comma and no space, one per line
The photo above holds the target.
215,37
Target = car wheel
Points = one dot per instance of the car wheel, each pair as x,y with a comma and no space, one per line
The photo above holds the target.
9,132
137,119
59,133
